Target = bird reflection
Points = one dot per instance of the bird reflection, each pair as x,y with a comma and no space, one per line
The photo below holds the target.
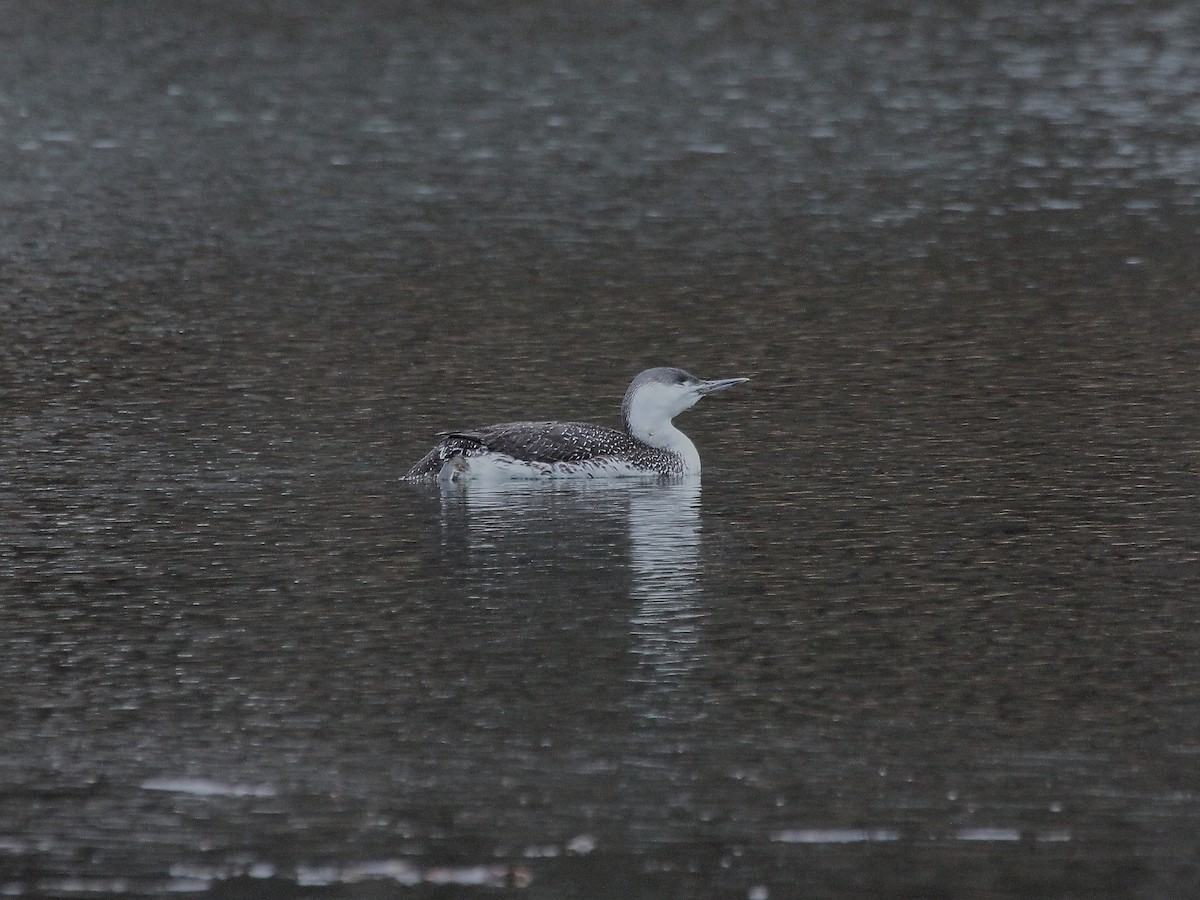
541,521
664,556
550,541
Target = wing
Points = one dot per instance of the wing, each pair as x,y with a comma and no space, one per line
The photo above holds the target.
546,442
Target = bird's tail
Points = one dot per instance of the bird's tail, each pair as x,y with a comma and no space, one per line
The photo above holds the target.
431,463
454,445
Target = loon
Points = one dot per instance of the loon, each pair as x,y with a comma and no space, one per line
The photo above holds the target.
649,445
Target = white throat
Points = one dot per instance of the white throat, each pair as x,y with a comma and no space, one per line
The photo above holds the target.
667,437
648,418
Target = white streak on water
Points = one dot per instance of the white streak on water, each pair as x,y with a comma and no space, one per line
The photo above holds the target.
203,787
988,834
834,835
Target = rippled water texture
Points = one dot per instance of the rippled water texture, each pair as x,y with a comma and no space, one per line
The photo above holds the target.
928,628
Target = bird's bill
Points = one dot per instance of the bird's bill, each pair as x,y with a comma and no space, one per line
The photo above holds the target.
719,384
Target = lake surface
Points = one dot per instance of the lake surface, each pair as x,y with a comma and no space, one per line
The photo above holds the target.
927,627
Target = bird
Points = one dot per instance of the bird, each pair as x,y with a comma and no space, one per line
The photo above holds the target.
649,444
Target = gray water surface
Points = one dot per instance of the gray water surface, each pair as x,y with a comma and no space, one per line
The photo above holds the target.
927,627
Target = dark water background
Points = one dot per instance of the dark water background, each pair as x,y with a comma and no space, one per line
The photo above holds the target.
928,628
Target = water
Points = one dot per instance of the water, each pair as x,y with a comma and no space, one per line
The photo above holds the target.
926,628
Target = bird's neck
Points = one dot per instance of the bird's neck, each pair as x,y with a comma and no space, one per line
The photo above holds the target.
665,436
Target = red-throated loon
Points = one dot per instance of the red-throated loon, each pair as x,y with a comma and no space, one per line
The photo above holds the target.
649,445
